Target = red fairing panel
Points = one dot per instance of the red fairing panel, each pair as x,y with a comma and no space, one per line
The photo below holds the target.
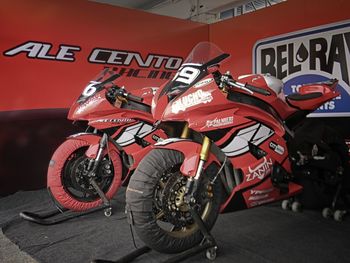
266,193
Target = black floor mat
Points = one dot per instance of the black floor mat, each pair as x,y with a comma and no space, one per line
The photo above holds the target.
264,234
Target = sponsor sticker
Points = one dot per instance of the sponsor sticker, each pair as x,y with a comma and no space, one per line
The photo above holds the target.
217,122
260,171
203,83
190,100
276,147
308,56
120,120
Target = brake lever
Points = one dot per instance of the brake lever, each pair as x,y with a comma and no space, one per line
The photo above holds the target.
239,86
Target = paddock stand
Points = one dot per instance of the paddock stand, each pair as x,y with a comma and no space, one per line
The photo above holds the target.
208,244
60,215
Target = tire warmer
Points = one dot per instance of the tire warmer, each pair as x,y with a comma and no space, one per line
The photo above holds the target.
208,242
60,215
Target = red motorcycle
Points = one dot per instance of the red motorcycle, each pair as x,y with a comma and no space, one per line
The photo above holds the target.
231,149
87,169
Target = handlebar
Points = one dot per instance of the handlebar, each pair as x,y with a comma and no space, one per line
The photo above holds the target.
133,97
116,91
226,79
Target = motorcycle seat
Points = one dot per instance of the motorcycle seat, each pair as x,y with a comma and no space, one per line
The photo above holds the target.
298,100
308,96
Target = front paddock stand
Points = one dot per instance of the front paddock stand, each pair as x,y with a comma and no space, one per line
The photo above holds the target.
207,244
58,216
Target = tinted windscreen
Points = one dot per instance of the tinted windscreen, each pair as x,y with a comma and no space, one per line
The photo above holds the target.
193,69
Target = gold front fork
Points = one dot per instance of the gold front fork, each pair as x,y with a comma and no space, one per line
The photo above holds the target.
185,132
205,149
203,156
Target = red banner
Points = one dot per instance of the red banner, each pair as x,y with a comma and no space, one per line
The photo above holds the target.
51,49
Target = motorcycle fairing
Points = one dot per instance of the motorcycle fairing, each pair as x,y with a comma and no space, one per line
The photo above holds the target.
260,193
252,118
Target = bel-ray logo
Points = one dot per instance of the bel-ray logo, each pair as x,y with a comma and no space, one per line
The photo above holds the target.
308,56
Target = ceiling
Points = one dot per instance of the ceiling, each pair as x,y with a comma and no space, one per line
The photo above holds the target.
205,11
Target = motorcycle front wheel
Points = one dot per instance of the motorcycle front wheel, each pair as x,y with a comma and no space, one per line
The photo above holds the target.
155,202
67,178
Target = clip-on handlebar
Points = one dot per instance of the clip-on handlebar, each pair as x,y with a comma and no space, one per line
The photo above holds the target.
116,91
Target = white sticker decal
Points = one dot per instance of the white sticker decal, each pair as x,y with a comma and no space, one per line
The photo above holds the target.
217,122
203,83
190,100
90,89
120,120
260,171
255,134
277,148
140,130
169,140
186,74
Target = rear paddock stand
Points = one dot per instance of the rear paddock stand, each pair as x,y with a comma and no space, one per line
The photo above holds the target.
207,244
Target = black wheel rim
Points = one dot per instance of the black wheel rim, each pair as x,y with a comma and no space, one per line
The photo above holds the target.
75,178
171,212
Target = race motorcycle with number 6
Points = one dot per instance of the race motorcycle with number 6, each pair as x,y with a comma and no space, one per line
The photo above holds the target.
232,148
88,168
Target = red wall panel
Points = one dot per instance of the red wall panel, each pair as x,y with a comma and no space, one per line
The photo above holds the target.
29,83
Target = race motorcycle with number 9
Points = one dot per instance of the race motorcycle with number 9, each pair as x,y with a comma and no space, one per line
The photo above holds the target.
87,169
234,149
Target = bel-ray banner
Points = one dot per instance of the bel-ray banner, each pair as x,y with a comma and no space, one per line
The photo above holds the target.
311,55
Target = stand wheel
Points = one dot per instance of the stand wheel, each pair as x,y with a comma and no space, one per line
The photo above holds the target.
285,205
296,207
211,253
327,212
108,212
338,215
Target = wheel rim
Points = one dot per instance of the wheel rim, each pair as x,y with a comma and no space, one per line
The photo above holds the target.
75,176
170,210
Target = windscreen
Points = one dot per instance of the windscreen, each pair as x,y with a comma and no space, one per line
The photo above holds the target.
194,68
107,75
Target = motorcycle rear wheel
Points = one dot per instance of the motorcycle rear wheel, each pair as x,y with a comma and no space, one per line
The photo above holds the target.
155,202
67,180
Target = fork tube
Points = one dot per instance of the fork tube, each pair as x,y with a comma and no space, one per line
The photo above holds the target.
203,156
205,149
192,182
185,132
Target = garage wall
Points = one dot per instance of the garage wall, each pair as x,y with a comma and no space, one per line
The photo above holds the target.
47,58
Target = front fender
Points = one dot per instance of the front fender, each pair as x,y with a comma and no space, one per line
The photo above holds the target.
191,150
